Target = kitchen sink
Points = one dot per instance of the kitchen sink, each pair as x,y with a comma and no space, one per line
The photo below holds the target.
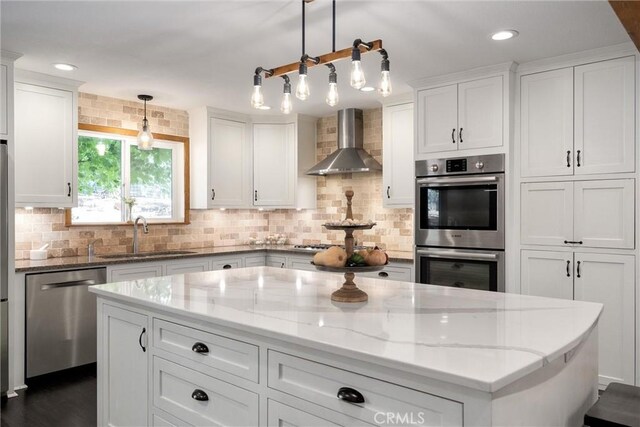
145,254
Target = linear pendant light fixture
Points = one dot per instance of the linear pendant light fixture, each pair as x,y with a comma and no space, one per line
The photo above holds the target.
145,137
357,77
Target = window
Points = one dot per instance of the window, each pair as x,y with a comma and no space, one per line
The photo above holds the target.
113,175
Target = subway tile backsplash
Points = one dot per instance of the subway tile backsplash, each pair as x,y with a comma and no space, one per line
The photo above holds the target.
231,227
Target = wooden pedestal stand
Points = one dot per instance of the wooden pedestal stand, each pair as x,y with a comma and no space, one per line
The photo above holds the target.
349,292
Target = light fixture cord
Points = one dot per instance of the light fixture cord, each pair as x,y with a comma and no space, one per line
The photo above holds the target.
303,28
333,46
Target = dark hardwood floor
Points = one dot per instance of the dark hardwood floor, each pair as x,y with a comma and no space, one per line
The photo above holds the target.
61,399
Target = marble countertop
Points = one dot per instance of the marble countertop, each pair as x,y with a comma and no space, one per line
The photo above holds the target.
481,340
84,261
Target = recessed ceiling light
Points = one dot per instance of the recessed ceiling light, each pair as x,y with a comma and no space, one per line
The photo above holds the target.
368,89
65,67
504,35
264,107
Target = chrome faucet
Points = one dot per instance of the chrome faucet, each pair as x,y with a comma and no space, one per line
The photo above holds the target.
145,230
91,251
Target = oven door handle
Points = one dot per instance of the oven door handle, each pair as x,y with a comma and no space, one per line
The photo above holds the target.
456,254
425,182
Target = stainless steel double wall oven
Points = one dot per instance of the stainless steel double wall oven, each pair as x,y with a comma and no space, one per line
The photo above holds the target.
460,222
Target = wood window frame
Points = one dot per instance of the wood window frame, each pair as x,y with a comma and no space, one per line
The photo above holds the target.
134,133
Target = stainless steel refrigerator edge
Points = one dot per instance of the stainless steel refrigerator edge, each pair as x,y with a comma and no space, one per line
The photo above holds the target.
4,267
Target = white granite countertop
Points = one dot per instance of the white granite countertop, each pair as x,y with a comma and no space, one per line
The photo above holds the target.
477,339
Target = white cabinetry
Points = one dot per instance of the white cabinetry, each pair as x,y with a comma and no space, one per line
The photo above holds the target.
579,125
4,99
604,278
467,115
220,159
195,265
46,123
123,364
598,214
135,271
282,153
397,156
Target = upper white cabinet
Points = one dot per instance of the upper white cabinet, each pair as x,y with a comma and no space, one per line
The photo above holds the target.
274,152
461,116
220,159
578,120
282,153
546,111
4,99
397,156
597,214
46,128
605,116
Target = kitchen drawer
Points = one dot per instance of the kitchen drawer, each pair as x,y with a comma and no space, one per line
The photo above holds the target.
228,355
174,387
163,420
320,383
255,261
276,261
392,272
301,263
135,272
187,266
226,263
279,415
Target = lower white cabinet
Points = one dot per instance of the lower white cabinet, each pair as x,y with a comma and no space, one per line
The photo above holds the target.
278,261
123,376
196,265
226,263
596,214
257,260
134,271
280,415
608,279
300,263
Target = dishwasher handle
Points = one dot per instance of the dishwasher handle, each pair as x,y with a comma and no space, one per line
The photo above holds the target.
49,286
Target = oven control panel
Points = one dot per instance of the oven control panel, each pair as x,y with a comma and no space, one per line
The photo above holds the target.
492,163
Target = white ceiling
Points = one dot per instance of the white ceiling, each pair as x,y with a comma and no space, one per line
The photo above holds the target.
189,54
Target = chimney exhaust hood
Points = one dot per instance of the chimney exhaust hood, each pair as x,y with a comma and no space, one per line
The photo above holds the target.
350,156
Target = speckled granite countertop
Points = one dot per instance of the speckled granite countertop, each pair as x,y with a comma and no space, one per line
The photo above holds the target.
26,265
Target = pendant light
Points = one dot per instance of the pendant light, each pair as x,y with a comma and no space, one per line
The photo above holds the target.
302,89
385,80
332,95
286,105
145,137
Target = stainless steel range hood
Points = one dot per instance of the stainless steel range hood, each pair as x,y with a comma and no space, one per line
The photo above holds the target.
350,156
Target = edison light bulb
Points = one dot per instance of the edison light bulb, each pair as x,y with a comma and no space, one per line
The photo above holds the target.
286,106
357,75
302,90
145,137
385,84
257,99
332,95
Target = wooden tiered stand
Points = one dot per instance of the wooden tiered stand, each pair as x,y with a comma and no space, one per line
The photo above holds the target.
349,292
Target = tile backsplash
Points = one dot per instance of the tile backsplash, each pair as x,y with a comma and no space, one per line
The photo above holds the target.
208,228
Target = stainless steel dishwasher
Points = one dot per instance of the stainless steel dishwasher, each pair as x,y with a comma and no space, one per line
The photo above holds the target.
61,320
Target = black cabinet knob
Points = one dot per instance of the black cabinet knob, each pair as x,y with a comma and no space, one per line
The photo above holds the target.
200,347
226,266
199,395
383,274
350,395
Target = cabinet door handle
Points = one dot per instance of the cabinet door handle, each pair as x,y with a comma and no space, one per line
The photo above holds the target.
282,265
255,195
69,189
453,135
226,266
199,395
213,194
350,395
578,270
144,330
568,271
383,274
573,242
200,348
388,191
578,159
568,158
460,135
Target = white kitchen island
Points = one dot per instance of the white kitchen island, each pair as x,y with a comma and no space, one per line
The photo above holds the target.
266,346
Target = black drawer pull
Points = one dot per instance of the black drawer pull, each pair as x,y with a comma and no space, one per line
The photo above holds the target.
200,347
453,135
568,269
383,274
69,192
226,266
572,242
350,395
199,395
144,330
